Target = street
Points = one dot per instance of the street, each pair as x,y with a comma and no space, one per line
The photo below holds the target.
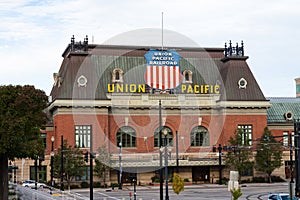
193,192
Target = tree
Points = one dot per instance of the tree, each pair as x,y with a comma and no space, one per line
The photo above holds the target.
103,163
236,193
21,119
73,163
269,154
178,184
239,155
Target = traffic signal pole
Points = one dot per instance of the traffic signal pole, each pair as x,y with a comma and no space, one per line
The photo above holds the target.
297,156
91,168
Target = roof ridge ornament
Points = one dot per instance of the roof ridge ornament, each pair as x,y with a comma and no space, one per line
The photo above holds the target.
79,46
234,51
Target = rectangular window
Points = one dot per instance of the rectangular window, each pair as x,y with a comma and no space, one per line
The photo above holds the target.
285,140
82,135
246,134
86,174
41,173
43,136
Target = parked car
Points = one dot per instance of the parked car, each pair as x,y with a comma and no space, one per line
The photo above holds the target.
280,196
31,184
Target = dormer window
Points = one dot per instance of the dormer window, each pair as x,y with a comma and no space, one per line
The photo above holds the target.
117,75
187,74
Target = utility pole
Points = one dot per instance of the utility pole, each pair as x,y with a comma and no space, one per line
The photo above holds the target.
297,156
161,195
291,166
177,159
62,188
220,163
91,168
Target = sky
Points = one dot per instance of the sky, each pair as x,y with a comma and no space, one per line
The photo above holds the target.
34,34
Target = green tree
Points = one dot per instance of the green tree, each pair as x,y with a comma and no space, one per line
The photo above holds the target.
178,184
236,193
269,154
103,163
73,163
21,118
239,157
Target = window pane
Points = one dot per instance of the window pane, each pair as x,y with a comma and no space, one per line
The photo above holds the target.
82,136
127,136
169,137
199,136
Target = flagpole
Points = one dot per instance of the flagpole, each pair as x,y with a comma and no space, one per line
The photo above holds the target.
162,30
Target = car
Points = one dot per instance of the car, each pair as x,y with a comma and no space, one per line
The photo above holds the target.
31,184
280,196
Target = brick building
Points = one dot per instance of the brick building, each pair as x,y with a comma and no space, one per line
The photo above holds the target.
103,94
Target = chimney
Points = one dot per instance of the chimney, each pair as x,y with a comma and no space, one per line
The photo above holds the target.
297,80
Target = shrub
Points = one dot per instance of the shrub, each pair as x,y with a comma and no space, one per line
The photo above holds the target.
277,179
186,180
74,186
96,184
258,179
84,184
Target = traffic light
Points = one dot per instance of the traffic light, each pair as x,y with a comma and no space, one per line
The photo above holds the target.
86,156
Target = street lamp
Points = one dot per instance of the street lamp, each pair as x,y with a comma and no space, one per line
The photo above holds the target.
166,162
52,158
120,165
51,163
220,164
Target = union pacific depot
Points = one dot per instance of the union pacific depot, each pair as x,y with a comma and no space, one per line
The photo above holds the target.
143,103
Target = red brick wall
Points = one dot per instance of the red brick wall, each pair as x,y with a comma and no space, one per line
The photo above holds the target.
105,128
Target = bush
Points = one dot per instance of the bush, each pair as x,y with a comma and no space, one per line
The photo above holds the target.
186,180
114,185
74,186
84,184
96,184
258,180
155,178
277,179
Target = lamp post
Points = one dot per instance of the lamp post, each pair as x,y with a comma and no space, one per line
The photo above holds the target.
62,164
161,195
120,165
51,162
291,168
134,188
220,163
166,163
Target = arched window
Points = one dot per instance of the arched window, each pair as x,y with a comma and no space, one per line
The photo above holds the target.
117,75
127,136
199,137
188,76
169,137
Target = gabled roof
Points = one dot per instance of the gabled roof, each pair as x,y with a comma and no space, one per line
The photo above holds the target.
282,105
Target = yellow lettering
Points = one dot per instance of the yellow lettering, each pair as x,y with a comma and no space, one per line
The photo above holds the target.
120,88
183,88
190,89
110,87
217,89
142,88
132,88
196,89
206,88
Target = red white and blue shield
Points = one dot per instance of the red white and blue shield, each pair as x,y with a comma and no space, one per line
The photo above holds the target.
163,69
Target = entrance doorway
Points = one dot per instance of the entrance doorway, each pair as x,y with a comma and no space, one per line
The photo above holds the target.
200,174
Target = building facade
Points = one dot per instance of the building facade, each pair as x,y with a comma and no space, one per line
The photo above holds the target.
121,97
